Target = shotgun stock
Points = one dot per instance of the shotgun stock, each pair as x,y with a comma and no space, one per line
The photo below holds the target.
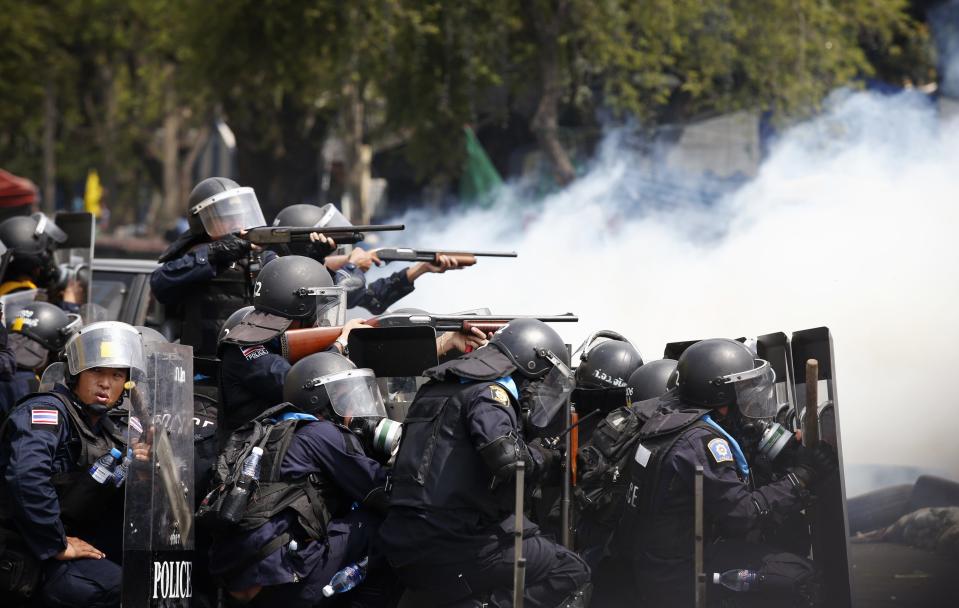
298,343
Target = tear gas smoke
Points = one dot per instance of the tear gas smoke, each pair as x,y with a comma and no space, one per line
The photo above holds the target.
850,222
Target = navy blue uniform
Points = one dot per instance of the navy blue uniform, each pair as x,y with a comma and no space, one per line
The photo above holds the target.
251,380
448,534
49,495
296,578
657,531
383,293
21,384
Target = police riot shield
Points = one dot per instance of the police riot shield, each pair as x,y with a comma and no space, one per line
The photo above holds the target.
158,517
75,255
828,518
11,303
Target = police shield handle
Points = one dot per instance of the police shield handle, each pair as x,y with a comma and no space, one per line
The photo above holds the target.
700,574
519,563
810,426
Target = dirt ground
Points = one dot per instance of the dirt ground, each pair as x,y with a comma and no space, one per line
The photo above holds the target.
891,575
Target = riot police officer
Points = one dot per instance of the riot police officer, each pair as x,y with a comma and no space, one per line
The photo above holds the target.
448,534
207,272
30,242
381,293
724,396
321,496
38,333
71,523
290,292
605,363
652,380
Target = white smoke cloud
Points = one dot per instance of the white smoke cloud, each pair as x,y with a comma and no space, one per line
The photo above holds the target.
850,223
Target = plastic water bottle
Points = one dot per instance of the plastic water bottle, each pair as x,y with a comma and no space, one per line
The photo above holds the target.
102,469
737,580
122,471
234,505
347,578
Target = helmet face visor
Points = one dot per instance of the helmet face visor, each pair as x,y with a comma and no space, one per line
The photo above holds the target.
352,393
332,218
230,211
106,344
46,227
550,394
330,305
756,391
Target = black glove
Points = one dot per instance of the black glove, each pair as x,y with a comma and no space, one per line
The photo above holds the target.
229,249
813,464
318,250
550,459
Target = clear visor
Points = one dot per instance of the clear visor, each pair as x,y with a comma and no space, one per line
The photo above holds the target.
352,393
13,303
331,218
46,226
330,304
106,344
551,393
756,391
230,211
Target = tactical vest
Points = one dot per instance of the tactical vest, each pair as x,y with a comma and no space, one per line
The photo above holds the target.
437,466
83,501
205,307
312,497
663,531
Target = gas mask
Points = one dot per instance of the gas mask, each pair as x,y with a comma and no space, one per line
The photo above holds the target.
380,437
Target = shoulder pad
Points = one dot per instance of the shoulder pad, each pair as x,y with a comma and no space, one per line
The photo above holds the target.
257,328
665,422
180,246
486,363
497,393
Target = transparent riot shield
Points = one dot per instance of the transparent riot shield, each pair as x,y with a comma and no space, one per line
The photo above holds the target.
75,255
158,517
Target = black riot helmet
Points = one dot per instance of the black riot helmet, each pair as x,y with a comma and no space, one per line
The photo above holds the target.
299,215
211,186
718,372
330,385
531,345
289,286
606,364
31,241
38,329
542,369
652,380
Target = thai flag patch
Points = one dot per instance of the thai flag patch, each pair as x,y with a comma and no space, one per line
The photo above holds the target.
254,352
51,417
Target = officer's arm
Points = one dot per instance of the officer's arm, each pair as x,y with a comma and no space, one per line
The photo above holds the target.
8,360
175,277
265,374
383,293
493,430
36,509
728,499
322,447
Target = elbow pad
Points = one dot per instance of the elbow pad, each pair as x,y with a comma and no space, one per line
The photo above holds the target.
501,455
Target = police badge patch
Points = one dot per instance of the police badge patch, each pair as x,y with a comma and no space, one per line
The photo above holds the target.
720,450
498,393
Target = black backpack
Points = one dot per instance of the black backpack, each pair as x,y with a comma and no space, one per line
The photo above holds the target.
309,496
603,466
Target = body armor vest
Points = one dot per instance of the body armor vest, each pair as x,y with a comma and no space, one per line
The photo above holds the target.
83,501
665,531
207,306
437,466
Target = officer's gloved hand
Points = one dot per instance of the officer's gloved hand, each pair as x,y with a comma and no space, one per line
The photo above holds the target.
813,464
229,249
549,461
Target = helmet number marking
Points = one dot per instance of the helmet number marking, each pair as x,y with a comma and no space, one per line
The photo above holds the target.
256,289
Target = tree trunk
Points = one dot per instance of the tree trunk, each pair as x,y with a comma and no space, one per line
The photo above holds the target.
170,209
49,154
547,23
358,155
